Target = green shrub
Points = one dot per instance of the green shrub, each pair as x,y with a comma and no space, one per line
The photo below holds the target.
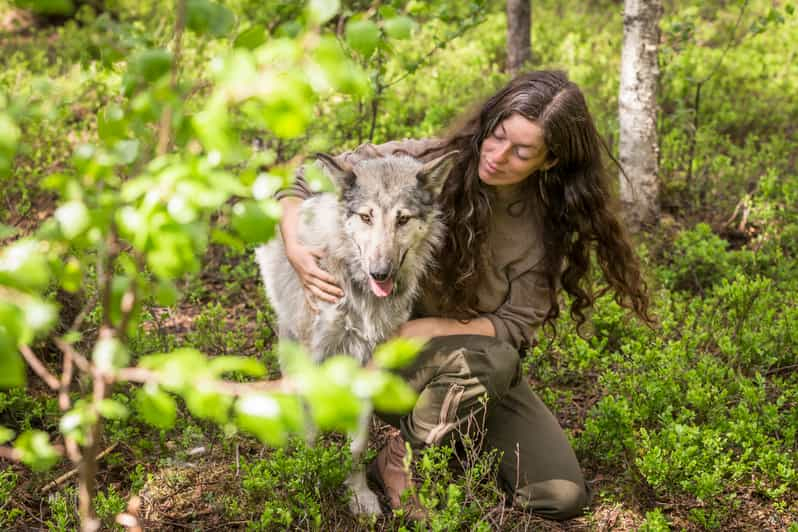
293,483
698,260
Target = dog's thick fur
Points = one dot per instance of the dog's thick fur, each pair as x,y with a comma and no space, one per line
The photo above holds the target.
380,235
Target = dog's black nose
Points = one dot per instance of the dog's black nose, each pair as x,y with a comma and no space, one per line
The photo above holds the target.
380,275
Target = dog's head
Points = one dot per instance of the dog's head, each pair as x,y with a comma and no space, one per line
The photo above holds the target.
390,211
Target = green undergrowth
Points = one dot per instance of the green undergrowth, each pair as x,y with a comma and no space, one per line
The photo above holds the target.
695,420
704,405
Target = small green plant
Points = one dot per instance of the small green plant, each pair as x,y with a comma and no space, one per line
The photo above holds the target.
8,483
655,522
293,483
108,505
63,517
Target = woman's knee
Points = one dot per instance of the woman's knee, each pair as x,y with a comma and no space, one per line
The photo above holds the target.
554,499
503,362
494,363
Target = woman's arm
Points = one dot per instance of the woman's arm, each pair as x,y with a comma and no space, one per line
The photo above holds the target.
430,327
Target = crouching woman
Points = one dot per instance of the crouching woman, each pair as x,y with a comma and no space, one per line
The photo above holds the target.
526,206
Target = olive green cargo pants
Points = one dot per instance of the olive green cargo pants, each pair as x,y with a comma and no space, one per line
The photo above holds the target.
452,374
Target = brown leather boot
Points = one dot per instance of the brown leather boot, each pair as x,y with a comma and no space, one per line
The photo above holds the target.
388,471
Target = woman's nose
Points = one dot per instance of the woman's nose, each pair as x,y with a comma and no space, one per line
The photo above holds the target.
502,150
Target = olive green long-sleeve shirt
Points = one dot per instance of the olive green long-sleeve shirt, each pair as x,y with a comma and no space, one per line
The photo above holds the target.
513,292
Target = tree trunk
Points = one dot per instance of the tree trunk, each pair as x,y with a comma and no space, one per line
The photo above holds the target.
519,29
637,109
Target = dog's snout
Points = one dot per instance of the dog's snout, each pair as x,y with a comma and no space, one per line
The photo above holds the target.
381,273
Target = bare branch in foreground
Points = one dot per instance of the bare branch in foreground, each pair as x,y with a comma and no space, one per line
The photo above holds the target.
38,367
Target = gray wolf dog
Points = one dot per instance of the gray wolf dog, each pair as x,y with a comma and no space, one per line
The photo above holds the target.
380,234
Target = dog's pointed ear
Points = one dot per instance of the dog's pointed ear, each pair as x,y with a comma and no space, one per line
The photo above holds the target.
433,174
341,174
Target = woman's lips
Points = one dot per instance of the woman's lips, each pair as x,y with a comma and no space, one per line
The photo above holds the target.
489,167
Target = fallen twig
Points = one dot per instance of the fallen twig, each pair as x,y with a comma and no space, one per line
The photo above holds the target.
71,473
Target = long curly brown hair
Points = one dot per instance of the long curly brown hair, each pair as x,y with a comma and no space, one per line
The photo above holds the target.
577,210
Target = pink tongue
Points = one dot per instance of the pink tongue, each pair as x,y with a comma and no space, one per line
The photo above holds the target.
381,288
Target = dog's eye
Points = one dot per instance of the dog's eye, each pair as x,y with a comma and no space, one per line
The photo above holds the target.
366,218
402,220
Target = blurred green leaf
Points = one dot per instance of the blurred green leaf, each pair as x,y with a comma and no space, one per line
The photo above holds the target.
387,11
47,7
73,218
9,133
72,275
77,422
39,315
110,409
247,366
270,417
126,151
178,369
209,18
320,11
151,65
340,72
166,293
317,179
111,124
23,265
35,450
172,254
226,239
120,284
208,404
363,36
213,129
328,390
146,67
393,395
6,435
397,353
294,359
156,407
399,27
255,221
251,38
110,354
12,367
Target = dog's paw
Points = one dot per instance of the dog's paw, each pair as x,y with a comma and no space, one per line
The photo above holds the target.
364,502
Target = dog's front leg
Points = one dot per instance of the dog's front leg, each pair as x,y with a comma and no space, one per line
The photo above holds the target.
363,501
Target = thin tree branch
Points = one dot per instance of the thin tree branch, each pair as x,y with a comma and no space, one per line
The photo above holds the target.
165,126
80,361
66,381
10,454
147,376
38,367
83,313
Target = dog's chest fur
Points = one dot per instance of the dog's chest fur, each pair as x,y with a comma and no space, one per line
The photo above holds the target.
359,321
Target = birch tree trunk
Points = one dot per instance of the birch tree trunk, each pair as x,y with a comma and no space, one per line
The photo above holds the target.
519,29
637,109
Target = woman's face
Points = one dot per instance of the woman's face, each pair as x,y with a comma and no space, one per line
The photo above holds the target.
512,152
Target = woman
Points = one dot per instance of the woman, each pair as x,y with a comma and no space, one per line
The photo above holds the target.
526,205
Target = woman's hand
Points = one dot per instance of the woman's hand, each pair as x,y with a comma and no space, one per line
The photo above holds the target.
317,283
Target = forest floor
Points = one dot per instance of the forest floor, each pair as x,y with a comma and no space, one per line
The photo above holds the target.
191,478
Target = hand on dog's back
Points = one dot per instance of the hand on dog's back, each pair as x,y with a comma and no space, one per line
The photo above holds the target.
316,282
